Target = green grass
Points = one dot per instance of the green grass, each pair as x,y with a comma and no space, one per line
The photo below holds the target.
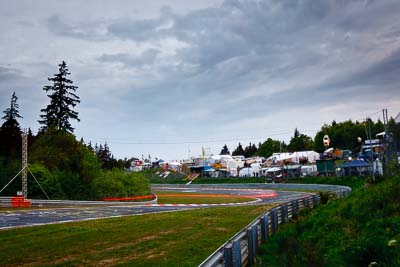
183,238
354,231
195,198
172,178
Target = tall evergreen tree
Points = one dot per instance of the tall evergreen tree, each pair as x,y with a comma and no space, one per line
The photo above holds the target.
12,112
239,151
10,131
62,101
225,150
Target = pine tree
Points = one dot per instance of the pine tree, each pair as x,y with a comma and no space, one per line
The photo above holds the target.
62,99
10,131
105,156
239,151
225,150
12,112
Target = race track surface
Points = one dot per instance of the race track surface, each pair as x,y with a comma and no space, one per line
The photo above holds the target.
41,216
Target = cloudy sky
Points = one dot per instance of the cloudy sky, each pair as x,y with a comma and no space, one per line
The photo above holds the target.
168,77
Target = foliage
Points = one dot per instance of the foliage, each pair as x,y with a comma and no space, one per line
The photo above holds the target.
344,134
300,142
12,112
239,151
364,223
225,150
10,131
394,129
8,169
10,148
50,182
250,150
10,140
62,99
118,183
269,147
70,161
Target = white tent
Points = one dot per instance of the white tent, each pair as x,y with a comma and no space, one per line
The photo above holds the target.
311,156
277,157
252,171
174,163
233,166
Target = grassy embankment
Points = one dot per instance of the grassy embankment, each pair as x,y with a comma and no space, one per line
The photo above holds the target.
183,238
355,231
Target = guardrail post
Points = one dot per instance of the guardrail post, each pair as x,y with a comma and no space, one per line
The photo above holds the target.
294,210
250,246
305,202
285,210
264,229
255,234
274,220
237,254
228,255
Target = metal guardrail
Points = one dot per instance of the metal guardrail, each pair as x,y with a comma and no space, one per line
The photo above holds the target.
242,248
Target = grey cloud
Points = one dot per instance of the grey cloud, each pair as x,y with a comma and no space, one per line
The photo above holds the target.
9,74
87,30
146,58
377,77
141,29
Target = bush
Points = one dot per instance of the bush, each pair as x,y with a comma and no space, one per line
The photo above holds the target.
354,231
49,182
71,164
118,183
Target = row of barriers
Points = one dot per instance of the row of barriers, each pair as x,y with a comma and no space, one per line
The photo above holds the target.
242,248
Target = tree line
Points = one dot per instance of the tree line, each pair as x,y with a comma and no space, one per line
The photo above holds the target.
65,167
343,135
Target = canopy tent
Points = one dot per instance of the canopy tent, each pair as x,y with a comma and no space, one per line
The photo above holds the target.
356,167
209,169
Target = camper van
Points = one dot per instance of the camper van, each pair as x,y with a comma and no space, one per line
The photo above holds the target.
272,174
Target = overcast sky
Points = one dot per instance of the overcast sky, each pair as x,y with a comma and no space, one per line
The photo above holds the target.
168,77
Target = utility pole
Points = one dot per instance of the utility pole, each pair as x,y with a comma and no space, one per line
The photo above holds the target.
24,136
372,154
386,140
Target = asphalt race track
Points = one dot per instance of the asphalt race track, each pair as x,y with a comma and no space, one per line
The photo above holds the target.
40,216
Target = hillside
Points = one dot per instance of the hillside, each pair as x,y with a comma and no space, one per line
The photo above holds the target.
356,231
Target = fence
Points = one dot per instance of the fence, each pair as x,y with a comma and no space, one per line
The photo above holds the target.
241,249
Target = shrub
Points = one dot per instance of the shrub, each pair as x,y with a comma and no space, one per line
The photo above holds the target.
118,183
354,231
